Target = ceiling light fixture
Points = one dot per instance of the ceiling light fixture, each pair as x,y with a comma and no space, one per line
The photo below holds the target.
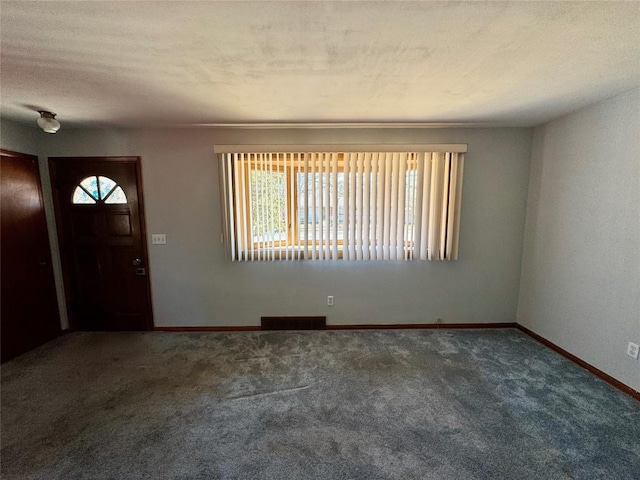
48,122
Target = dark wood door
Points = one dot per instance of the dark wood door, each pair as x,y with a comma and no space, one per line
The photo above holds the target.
99,211
29,312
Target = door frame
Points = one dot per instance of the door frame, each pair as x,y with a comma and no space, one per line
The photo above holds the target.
143,227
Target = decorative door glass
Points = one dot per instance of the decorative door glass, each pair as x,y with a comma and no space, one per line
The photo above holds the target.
98,189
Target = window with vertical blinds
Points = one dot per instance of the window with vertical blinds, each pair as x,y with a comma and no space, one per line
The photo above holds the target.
341,205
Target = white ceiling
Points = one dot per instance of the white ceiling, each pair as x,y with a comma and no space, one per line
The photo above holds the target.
184,63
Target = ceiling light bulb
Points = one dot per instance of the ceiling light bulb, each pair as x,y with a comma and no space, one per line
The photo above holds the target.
48,122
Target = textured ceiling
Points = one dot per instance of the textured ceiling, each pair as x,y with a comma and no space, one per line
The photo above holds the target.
184,63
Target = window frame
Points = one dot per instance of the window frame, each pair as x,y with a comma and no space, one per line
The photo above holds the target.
238,226
252,166
291,172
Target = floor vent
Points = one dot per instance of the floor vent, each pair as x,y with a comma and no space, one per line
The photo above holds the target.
293,323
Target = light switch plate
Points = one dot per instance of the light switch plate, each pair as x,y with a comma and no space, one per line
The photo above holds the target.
158,238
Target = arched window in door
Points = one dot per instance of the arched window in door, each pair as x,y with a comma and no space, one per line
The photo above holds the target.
98,189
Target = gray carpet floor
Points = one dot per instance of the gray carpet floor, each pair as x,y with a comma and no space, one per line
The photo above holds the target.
385,404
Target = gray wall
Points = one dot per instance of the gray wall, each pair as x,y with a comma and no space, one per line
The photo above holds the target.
18,138
193,285
580,283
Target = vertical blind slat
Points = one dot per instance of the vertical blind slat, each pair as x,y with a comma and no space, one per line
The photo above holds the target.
306,206
292,229
352,205
386,204
402,164
232,226
294,232
442,244
268,247
373,206
417,211
239,224
434,206
263,205
426,196
393,219
358,209
334,167
265,209
380,210
245,213
455,222
270,211
313,206
284,242
346,209
327,202
451,207
366,193
320,203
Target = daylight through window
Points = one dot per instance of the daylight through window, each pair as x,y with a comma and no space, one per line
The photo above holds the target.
342,205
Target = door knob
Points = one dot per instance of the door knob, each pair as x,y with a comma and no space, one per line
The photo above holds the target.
137,262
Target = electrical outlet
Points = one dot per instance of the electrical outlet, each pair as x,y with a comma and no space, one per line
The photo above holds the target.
330,300
632,350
